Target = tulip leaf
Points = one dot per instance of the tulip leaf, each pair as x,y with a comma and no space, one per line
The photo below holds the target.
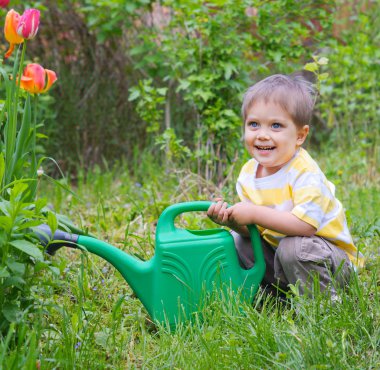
2,167
21,141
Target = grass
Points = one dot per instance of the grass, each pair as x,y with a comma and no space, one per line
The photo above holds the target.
89,318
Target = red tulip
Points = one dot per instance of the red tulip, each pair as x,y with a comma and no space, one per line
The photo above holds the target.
28,24
36,79
10,31
4,3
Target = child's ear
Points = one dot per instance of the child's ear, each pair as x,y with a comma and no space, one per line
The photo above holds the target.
302,134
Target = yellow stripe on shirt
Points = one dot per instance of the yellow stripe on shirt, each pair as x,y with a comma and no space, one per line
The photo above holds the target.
266,197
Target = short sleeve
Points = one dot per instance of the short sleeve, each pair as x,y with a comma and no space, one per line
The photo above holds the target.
313,198
242,195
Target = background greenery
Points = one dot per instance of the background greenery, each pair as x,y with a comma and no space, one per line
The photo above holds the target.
136,74
145,114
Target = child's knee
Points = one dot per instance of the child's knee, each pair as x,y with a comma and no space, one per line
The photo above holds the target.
299,258
302,249
286,250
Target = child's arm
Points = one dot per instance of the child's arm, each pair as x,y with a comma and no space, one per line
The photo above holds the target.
284,222
244,213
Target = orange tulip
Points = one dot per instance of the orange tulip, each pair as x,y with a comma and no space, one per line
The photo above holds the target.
10,31
37,79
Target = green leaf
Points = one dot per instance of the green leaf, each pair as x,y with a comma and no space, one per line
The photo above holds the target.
16,281
16,267
18,190
323,76
52,222
2,168
4,273
312,67
205,95
11,312
323,61
6,223
135,93
27,247
54,270
228,70
183,85
101,338
162,91
41,136
229,113
24,131
29,224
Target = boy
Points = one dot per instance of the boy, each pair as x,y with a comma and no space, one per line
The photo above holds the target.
284,192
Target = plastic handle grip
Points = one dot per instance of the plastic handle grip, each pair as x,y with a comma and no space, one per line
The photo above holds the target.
166,221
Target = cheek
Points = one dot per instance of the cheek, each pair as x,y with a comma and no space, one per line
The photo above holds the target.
248,136
247,141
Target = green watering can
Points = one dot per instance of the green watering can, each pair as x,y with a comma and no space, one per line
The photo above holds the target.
186,266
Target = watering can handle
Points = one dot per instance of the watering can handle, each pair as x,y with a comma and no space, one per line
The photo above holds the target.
166,225
166,221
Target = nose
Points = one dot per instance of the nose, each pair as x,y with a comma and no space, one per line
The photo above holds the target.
263,134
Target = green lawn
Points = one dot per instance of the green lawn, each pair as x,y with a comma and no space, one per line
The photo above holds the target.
89,317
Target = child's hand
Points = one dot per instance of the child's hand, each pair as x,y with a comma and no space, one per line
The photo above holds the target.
218,212
241,213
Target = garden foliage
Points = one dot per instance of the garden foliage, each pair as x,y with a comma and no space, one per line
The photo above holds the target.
158,86
169,76
21,260
179,67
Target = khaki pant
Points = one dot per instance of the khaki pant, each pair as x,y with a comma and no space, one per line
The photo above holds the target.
298,258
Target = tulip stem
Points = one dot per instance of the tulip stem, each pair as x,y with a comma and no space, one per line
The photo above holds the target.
12,104
10,136
33,164
18,81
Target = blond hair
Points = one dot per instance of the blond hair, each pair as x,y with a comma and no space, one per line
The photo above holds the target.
293,93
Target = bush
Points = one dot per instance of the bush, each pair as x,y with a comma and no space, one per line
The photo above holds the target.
185,65
350,98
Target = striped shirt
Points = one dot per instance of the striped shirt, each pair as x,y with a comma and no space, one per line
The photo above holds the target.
299,187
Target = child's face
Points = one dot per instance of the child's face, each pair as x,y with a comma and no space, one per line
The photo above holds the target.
271,136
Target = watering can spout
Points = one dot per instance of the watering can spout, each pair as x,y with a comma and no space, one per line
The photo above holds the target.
137,273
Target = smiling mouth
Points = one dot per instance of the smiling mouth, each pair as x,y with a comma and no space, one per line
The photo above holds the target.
264,147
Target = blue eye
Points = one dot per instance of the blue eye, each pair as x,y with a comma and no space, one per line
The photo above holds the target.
253,124
276,125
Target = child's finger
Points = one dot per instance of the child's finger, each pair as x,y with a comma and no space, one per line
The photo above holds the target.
211,210
222,211
229,210
224,207
225,217
218,207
